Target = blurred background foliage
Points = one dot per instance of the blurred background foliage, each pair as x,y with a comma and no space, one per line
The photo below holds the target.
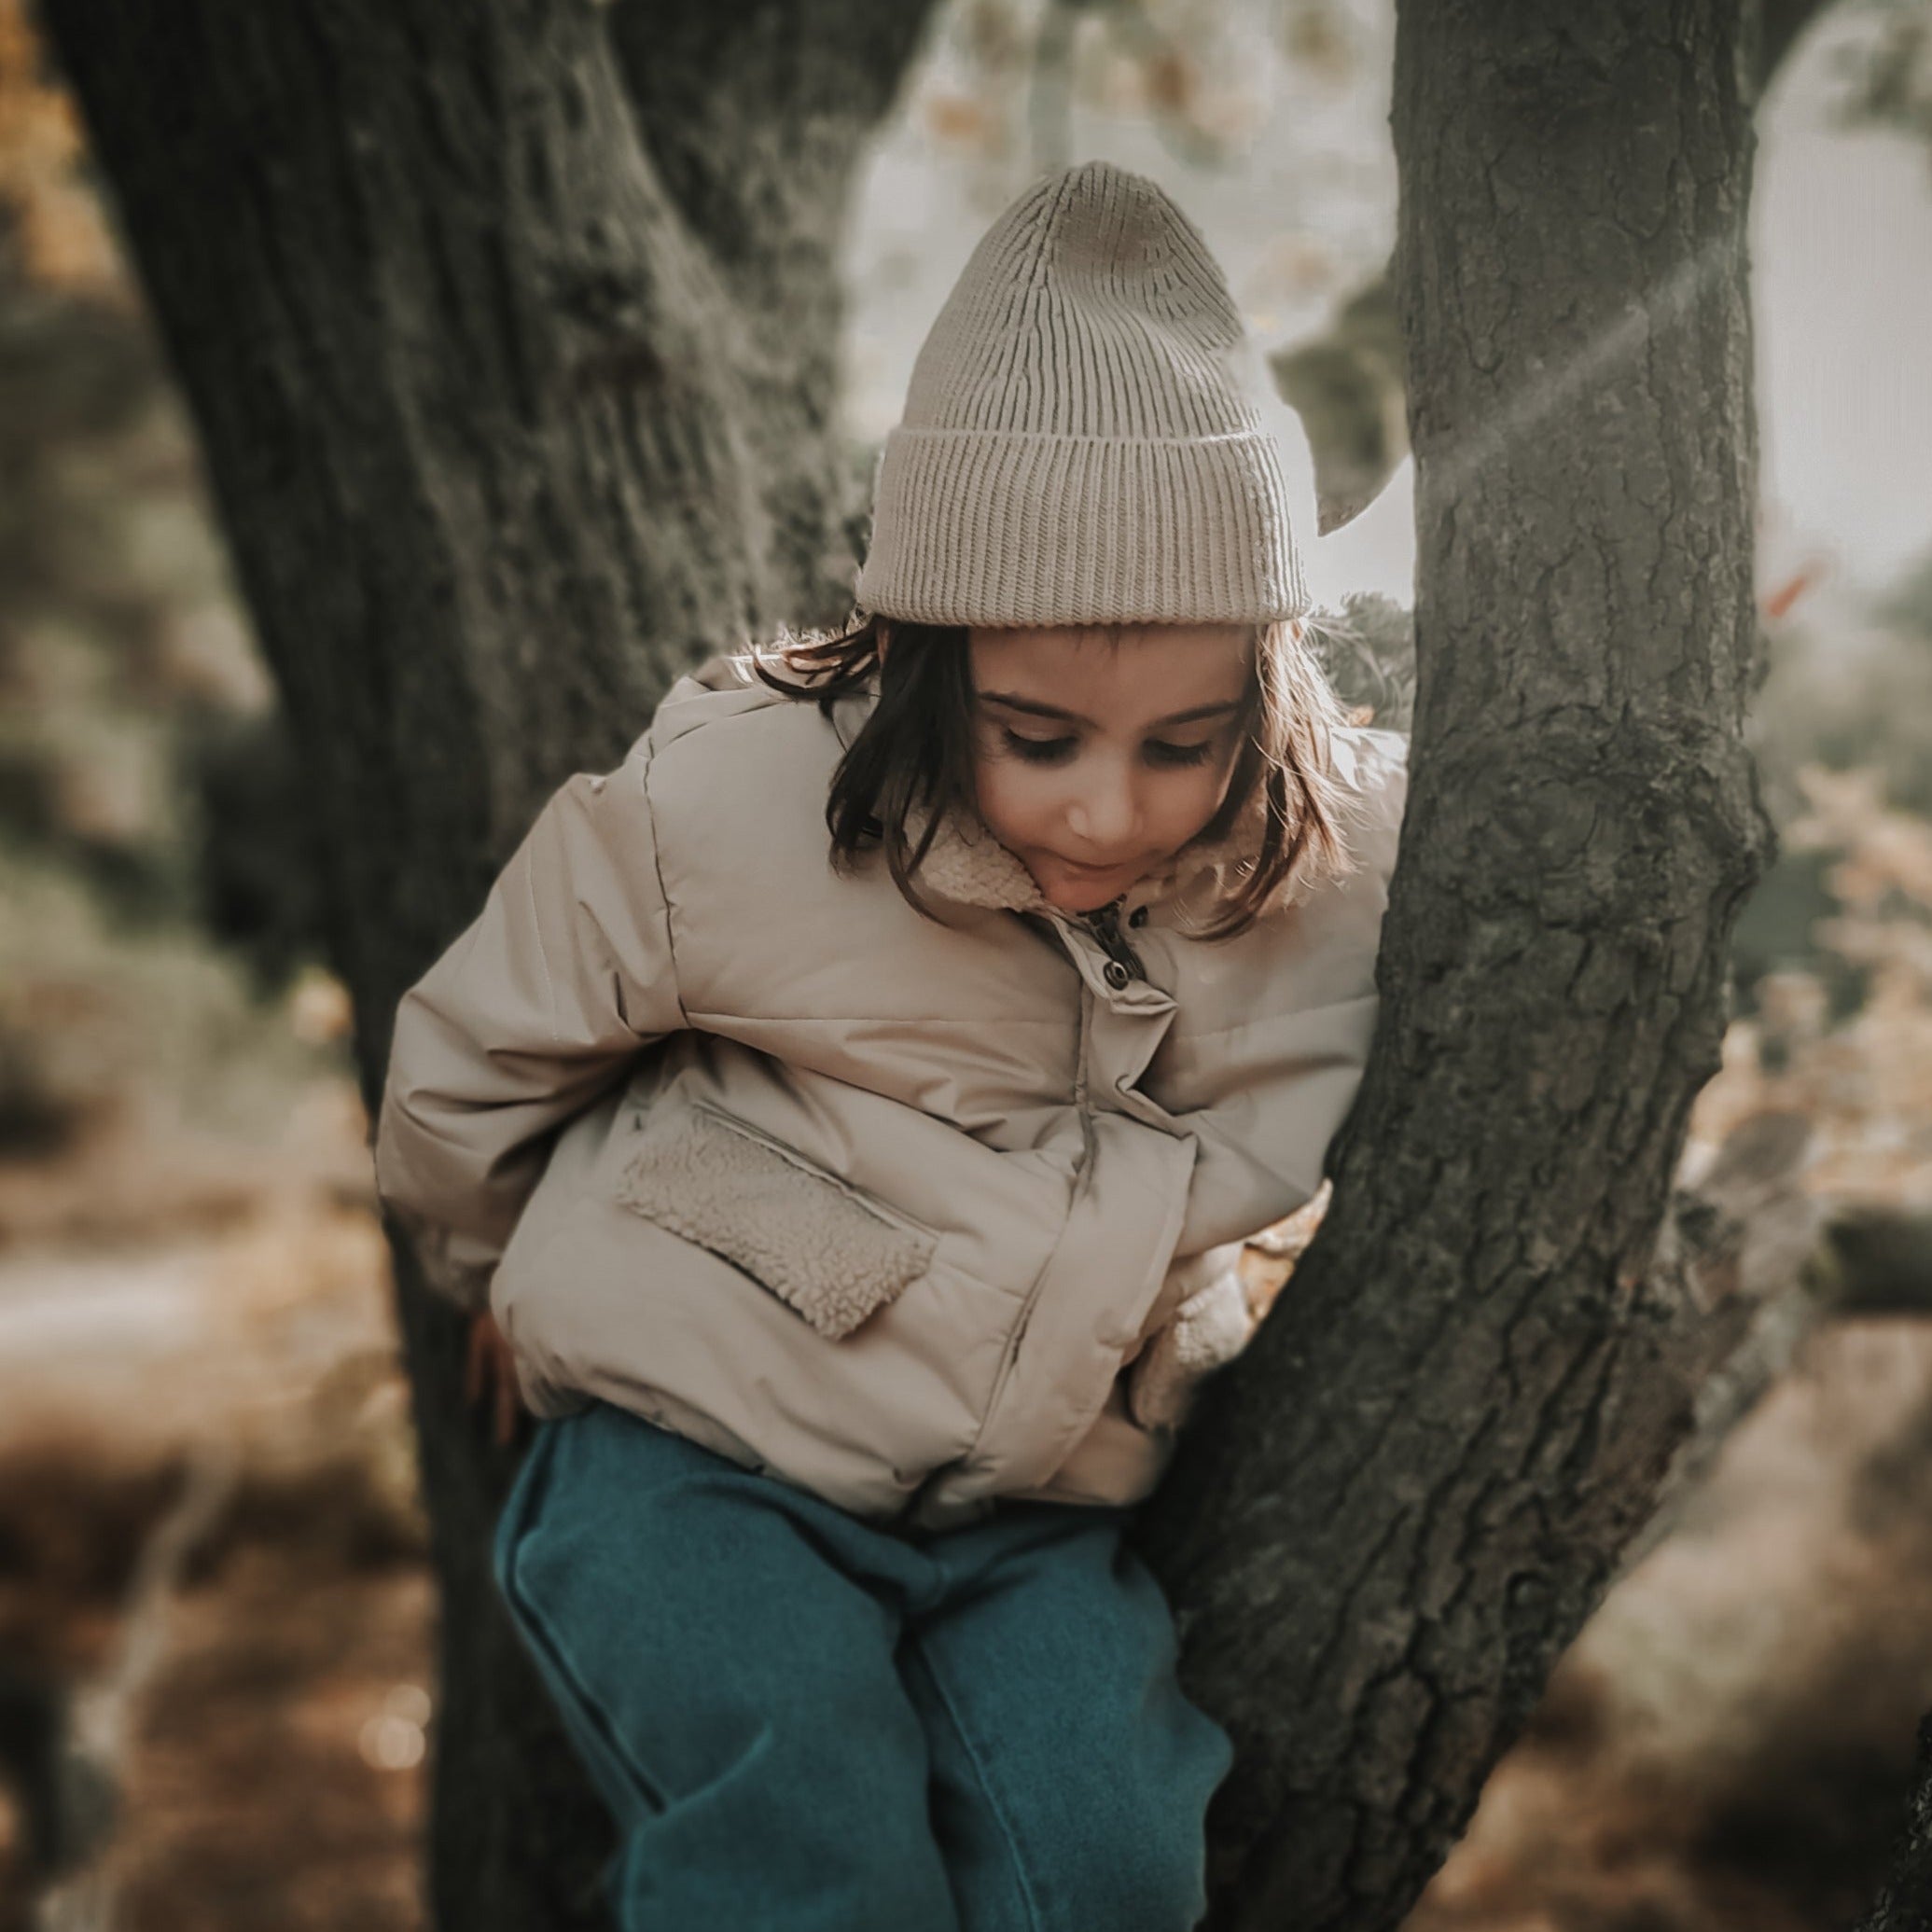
194,1337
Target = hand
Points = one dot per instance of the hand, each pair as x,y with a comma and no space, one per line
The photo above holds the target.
490,1375
1209,1328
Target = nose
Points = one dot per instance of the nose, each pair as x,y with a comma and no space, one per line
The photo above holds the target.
1104,813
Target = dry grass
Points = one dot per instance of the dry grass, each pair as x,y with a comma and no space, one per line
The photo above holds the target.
269,1756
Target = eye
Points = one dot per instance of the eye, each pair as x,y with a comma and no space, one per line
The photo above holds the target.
1038,751
1161,753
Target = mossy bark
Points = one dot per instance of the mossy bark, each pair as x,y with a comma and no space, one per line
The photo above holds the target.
510,332
1400,1505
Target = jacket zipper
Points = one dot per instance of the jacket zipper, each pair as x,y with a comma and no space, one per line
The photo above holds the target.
1104,925
1084,1113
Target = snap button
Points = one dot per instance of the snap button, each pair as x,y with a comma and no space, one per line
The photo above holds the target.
1138,916
1115,974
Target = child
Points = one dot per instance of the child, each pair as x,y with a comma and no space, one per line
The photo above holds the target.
862,1211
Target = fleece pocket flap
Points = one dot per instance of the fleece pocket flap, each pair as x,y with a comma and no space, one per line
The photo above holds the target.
818,1245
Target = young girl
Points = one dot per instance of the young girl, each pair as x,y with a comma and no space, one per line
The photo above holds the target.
851,1110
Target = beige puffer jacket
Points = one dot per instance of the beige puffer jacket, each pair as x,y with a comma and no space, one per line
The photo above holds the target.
912,1215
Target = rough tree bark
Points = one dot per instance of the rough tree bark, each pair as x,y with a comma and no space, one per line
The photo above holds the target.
1904,1903
1346,379
509,331
1402,1502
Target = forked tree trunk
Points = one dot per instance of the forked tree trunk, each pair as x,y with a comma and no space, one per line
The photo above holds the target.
1400,1506
509,327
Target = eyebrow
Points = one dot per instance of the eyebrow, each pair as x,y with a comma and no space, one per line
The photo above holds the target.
1034,708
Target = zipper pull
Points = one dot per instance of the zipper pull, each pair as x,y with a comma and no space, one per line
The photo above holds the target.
1104,925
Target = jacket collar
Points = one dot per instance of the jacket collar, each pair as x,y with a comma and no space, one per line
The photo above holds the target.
968,865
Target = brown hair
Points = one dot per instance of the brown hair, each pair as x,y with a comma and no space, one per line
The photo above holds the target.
914,754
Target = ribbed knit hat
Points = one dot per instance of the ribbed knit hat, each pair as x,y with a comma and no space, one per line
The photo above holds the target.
1085,438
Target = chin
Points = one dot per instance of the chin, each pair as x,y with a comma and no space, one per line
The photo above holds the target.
1084,895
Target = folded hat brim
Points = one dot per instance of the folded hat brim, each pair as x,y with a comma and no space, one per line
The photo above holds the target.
996,527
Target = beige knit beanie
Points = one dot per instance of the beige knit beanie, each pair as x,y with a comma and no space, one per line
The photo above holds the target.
1085,438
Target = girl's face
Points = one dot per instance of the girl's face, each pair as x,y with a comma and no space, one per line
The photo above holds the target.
1095,761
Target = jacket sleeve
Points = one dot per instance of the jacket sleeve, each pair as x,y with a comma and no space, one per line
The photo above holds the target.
564,975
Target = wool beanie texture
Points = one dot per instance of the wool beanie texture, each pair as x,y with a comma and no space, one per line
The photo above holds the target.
1084,439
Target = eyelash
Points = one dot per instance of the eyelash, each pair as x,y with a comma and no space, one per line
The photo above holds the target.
1052,751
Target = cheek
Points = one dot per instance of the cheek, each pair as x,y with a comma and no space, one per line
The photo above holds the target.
1192,800
1014,802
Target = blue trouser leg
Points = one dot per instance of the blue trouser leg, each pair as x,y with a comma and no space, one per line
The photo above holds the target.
732,1694
801,1720
1071,1776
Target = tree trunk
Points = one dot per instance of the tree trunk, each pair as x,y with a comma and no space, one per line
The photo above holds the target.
512,332
1346,381
1905,1903
1396,1509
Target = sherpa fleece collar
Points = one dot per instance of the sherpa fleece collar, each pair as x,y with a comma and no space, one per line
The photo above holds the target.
969,865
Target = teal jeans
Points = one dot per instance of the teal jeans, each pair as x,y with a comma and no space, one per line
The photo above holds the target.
803,1722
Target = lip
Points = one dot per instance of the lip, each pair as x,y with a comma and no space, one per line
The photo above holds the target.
1086,871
